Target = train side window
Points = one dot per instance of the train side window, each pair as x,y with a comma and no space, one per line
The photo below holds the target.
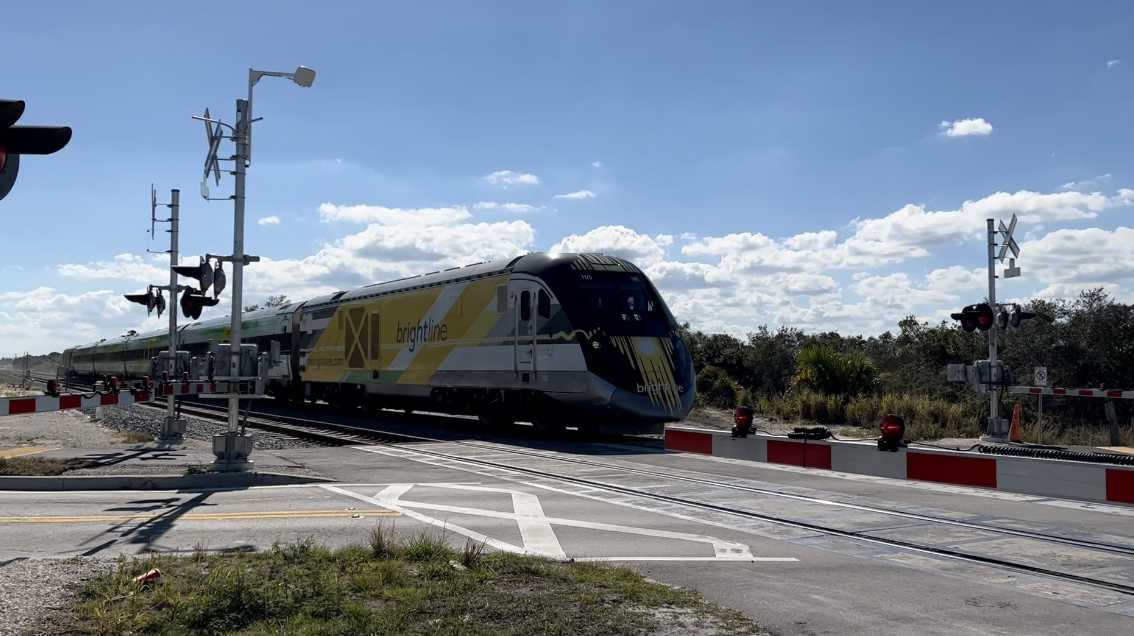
501,299
525,305
544,304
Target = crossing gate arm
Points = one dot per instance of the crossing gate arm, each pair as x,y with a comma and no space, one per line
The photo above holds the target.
1114,394
47,403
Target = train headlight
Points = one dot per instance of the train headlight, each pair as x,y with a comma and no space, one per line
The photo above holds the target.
595,344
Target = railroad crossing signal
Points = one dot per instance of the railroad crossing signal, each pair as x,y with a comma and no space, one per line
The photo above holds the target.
24,140
1008,244
205,276
973,317
151,299
193,302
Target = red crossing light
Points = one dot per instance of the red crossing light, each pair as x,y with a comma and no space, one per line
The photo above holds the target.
972,317
892,430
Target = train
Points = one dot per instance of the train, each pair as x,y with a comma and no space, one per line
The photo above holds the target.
557,340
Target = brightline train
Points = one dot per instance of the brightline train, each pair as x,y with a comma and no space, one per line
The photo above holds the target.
558,340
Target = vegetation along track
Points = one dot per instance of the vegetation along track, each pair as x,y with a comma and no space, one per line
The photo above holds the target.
345,434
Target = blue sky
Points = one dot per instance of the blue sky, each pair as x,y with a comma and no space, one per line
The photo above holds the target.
778,164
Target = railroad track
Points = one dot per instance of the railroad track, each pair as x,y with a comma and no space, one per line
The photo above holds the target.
347,434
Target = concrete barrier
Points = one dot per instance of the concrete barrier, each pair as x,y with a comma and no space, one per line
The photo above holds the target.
1027,475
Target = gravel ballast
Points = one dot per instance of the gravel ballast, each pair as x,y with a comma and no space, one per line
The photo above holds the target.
198,432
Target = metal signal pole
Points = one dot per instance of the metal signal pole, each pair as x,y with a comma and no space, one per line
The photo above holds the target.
171,428
993,395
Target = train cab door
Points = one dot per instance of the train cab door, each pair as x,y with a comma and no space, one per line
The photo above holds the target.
524,297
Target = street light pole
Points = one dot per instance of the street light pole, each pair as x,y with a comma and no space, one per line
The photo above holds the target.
234,447
243,134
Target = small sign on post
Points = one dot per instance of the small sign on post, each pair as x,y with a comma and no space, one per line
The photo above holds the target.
1040,378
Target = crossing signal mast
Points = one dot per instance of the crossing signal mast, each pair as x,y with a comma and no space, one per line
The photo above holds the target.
991,317
173,428
233,447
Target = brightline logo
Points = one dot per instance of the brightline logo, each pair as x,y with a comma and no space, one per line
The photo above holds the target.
427,331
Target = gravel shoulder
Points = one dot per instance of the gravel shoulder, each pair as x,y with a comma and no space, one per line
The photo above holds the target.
33,591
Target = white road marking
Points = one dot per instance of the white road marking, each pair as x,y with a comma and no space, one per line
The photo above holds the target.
725,550
472,534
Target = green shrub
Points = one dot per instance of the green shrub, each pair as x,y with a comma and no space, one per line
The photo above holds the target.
824,370
716,388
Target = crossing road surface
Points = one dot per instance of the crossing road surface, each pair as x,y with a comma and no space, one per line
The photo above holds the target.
799,551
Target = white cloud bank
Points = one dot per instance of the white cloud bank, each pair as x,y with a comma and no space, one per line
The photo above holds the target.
847,280
975,127
578,195
269,220
509,178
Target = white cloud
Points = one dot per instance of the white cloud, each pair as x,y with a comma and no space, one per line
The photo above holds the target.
1113,63
596,164
392,216
1092,184
509,178
123,267
617,240
975,127
269,220
817,280
515,208
578,195
44,319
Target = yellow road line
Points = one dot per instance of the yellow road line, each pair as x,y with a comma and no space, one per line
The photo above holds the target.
205,516
20,451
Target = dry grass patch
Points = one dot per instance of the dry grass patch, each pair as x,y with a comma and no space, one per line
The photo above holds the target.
418,586
39,466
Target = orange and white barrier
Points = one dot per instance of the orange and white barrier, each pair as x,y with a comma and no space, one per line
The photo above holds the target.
47,403
1028,475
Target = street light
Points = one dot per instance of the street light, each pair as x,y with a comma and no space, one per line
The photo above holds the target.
302,76
233,450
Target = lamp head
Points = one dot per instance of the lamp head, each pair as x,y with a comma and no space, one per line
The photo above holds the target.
303,76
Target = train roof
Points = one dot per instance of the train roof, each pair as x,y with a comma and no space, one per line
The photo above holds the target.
535,264
538,264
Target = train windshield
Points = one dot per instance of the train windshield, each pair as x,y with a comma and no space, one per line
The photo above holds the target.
622,306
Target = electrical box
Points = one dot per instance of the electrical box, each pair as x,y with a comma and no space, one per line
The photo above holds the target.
160,364
249,363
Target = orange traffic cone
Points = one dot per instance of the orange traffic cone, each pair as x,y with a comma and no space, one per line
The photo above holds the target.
1014,434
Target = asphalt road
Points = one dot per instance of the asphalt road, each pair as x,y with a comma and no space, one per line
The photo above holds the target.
790,579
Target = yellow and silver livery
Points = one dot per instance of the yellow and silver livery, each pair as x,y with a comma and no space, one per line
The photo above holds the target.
559,340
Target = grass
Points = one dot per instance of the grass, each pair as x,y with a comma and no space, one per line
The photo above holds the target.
416,586
134,437
926,418
931,418
39,466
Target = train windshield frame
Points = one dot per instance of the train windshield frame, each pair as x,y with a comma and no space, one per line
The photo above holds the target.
620,304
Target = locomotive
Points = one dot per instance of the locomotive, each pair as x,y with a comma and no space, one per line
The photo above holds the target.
557,340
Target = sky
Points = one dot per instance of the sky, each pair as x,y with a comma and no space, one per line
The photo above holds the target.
819,165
